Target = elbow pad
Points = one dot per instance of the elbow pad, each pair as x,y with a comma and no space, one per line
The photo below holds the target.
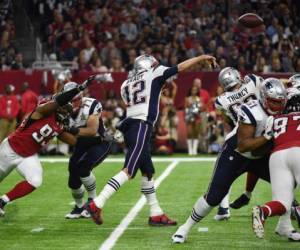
65,97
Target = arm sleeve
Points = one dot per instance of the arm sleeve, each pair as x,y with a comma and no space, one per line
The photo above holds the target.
245,116
165,72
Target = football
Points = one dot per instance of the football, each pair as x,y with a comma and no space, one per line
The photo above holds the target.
250,20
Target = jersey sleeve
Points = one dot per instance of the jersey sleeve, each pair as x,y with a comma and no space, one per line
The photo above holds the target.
219,105
96,108
253,78
245,115
165,72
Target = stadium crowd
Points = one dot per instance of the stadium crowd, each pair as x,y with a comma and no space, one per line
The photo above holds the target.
106,36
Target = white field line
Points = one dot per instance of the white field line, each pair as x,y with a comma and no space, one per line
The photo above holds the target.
119,230
155,159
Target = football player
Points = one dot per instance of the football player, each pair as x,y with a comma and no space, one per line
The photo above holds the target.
236,92
141,93
284,164
92,147
20,149
238,156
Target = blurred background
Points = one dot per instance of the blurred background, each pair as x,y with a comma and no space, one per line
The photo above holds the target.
44,44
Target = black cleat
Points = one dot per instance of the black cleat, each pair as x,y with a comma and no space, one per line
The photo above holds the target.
243,200
2,204
77,213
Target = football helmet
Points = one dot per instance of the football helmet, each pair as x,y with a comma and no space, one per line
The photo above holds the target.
229,77
273,96
63,114
293,100
294,81
77,100
144,63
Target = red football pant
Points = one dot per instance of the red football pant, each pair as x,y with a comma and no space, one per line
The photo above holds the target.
21,189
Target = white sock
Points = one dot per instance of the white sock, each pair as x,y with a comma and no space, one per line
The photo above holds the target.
5,198
195,146
190,146
89,183
78,196
147,188
110,188
284,223
248,194
200,210
225,202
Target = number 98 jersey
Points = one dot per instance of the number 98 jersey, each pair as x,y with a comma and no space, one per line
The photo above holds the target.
286,131
141,92
32,135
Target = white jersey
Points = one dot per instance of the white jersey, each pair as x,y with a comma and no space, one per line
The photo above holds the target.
252,113
229,102
89,106
141,93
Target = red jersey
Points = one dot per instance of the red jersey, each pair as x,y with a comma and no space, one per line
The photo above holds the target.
286,131
32,135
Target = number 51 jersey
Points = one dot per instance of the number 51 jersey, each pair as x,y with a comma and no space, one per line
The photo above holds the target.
141,92
32,135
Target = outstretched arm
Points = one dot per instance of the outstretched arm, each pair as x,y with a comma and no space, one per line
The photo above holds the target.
196,60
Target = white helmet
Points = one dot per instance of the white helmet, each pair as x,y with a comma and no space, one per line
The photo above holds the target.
294,81
273,96
76,101
229,77
144,63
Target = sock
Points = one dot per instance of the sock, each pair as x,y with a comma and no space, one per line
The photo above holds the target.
251,182
195,146
273,208
147,188
89,183
225,202
78,196
110,188
200,210
5,198
284,223
190,146
21,189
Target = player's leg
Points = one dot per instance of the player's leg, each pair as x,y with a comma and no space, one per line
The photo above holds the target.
189,127
93,157
282,197
244,199
228,167
30,168
77,189
137,135
157,215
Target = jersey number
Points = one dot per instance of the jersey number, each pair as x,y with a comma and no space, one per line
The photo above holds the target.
280,125
137,91
44,132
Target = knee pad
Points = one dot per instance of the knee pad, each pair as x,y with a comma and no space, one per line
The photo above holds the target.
35,180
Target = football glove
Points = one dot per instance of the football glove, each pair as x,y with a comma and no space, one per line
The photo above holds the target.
118,136
72,130
269,133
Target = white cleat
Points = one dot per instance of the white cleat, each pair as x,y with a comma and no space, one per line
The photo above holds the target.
223,214
180,236
292,235
258,222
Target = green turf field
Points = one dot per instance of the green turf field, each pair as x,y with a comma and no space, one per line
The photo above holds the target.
43,211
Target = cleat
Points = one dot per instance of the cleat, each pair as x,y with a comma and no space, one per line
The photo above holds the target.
292,235
161,220
180,236
258,222
2,204
77,213
295,214
94,211
242,201
223,214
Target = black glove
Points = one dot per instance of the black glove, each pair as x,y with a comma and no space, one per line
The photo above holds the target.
72,130
87,82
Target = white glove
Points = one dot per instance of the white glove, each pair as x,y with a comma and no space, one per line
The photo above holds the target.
118,136
106,77
269,133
